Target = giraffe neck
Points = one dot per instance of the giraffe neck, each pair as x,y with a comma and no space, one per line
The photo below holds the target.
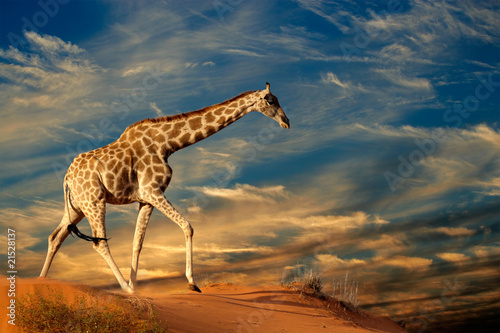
173,133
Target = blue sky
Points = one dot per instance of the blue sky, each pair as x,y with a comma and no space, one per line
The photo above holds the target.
390,171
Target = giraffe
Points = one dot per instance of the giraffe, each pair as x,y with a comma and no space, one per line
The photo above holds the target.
135,168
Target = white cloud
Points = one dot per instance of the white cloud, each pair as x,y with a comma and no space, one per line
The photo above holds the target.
44,88
398,54
244,52
191,65
133,71
336,16
437,20
398,78
245,192
156,109
332,78
357,220
51,44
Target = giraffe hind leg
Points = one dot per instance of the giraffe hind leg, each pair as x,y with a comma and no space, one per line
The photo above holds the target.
103,249
96,218
59,235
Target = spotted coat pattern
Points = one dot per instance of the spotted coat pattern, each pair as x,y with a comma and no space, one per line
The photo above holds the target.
135,168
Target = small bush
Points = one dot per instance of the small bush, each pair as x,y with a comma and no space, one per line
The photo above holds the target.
313,281
49,311
302,280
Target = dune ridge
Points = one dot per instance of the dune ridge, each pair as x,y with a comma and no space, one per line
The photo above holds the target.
230,308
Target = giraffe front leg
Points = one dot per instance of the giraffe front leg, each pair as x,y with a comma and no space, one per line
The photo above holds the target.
164,206
145,211
189,257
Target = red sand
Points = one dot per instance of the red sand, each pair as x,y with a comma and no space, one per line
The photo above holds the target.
232,308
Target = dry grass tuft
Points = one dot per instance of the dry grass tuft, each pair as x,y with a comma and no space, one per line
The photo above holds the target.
314,281
346,290
48,310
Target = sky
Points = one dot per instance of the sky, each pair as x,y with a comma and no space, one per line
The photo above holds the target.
389,175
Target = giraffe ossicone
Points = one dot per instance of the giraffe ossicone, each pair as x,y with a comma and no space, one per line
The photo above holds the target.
134,168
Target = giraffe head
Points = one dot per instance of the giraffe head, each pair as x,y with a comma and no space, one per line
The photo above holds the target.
270,107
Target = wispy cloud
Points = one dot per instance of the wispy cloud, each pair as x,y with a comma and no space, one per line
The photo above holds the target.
392,243
453,257
459,232
332,78
411,263
53,78
398,78
451,163
329,261
425,22
264,202
245,192
155,107
243,52
134,70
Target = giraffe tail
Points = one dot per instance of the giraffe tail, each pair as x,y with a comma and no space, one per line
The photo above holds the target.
72,227
74,230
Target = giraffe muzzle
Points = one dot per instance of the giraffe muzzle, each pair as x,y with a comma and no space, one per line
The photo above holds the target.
284,122
282,119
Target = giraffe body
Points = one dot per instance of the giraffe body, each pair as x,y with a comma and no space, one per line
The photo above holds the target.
134,168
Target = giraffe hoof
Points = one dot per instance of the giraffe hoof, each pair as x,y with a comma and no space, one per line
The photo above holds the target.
129,290
194,287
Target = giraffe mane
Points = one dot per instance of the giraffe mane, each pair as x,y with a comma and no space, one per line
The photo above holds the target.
187,115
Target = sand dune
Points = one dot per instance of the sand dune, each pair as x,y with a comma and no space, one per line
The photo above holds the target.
232,308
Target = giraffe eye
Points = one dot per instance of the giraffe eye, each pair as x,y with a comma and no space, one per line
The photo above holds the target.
269,99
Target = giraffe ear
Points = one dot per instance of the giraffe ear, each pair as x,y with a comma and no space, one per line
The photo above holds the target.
268,87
